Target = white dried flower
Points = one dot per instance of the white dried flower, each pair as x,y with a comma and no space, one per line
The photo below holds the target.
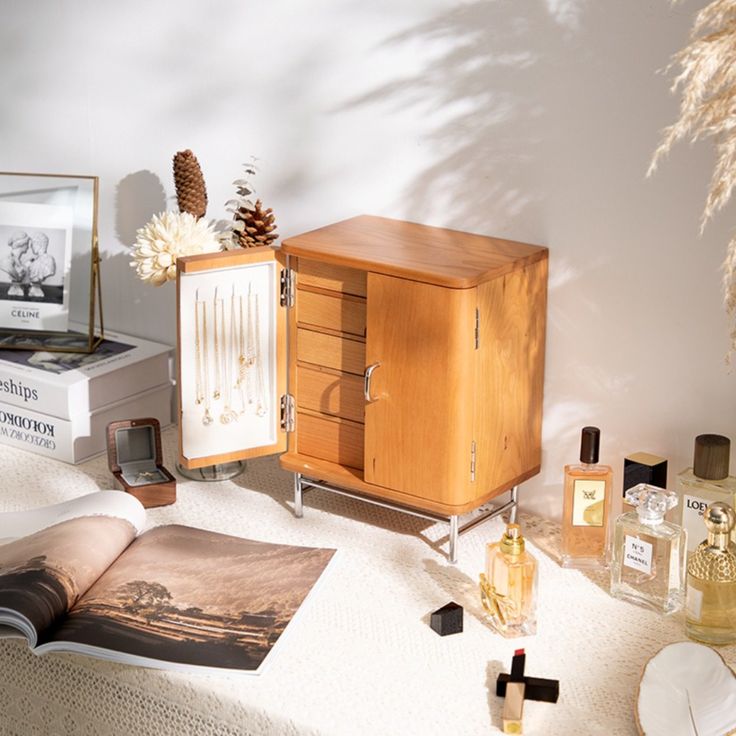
166,237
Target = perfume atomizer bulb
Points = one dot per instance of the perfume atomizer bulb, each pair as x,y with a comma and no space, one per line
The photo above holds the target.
720,520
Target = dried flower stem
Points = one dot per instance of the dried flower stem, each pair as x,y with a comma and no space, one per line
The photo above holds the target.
707,83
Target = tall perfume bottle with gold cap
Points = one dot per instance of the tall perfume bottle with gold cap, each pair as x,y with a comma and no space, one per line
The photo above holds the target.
586,506
711,580
508,588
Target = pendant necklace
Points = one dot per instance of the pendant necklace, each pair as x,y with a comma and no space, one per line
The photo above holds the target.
228,414
250,348
242,368
261,407
204,365
197,354
216,393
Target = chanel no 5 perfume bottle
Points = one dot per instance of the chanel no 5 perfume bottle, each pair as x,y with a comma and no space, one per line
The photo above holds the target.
707,481
586,506
711,580
508,589
649,553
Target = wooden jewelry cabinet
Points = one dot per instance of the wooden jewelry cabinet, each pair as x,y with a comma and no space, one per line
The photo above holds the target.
414,367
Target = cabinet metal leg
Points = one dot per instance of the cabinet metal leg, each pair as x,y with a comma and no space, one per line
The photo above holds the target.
298,496
302,484
453,539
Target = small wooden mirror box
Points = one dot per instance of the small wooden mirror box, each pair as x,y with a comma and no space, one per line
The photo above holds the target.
135,458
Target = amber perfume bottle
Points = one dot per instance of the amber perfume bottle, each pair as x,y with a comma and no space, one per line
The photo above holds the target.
586,506
648,561
711,580
706,482
508,588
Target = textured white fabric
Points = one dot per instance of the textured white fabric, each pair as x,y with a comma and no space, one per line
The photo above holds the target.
361,658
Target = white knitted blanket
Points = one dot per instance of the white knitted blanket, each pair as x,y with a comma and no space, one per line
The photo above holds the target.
360,658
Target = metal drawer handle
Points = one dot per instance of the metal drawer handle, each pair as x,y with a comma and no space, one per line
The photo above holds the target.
367,382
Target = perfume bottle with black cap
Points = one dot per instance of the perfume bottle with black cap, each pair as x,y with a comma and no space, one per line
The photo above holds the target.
586,506
706,482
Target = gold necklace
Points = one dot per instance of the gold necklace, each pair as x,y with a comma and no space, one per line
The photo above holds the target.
197,354
228,415
261,404
218,378
204,365
241,383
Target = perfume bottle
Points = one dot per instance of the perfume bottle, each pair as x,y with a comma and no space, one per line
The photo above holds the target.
643,467
649,553
711,580
508,589
586,506
707,481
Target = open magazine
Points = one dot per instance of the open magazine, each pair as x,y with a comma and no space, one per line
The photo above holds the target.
82,577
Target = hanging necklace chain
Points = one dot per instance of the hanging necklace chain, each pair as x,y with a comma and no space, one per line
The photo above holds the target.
242,368
261,404
238,357
201,352
228,350
250,348
218,377
241,343
198,384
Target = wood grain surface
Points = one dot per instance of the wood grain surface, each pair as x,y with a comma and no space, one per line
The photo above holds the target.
417,252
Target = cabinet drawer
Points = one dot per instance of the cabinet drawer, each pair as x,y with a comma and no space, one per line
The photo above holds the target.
336,440
338,394
334,278
340,353
335,312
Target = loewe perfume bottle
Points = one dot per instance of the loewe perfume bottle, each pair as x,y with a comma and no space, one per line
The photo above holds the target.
649,553
707,481
711,580
508,589
586,506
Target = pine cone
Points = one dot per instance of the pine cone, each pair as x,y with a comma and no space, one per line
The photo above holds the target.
191,192
260,226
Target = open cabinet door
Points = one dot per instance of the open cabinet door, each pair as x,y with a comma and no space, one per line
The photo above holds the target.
231,354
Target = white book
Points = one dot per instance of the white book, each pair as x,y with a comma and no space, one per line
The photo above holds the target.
67,385
84,434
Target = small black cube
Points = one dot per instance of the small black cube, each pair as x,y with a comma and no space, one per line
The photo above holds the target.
448,619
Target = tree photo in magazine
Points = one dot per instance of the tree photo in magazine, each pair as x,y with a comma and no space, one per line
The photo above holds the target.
174,596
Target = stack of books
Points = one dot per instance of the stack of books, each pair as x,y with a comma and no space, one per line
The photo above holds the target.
59,404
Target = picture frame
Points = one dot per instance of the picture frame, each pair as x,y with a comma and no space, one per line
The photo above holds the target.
50,290
231,356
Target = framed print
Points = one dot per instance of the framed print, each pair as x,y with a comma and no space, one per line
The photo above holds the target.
49,262
231,356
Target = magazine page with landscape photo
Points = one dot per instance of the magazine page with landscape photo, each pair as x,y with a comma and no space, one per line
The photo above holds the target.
183,598
50,557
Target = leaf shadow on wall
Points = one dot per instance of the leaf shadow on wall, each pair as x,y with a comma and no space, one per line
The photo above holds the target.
481,105
488,98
